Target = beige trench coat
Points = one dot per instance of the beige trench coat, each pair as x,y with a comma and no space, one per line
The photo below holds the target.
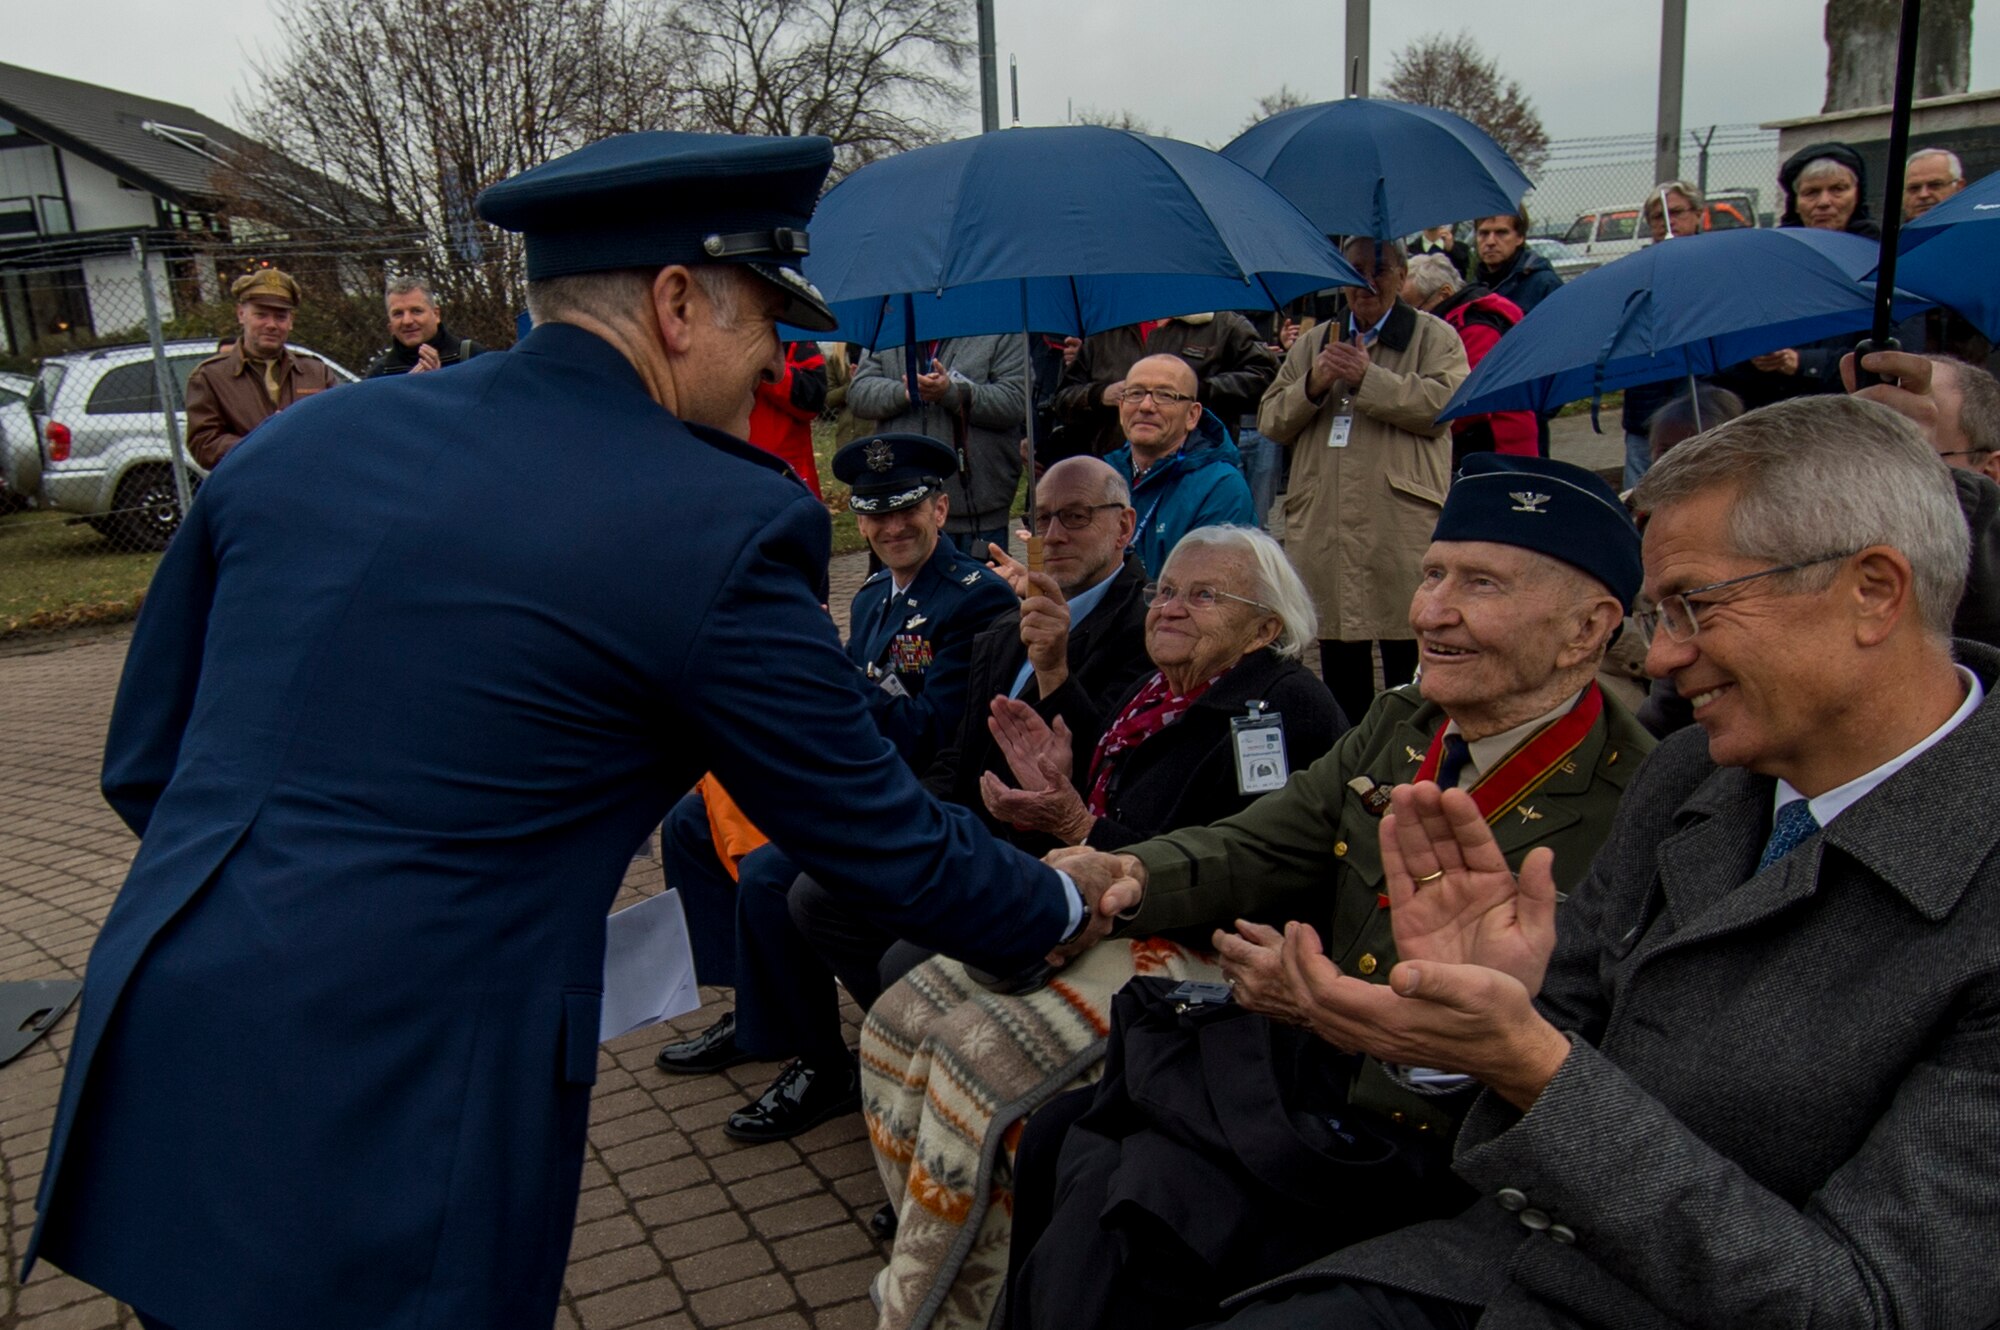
1358,519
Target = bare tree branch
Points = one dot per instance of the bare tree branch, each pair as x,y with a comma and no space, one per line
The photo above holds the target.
1452,74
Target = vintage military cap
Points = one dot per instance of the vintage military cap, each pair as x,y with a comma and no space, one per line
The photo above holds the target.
1549,507
886,473
660,197
266,284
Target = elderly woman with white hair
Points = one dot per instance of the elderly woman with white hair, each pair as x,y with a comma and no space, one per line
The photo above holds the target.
949,1068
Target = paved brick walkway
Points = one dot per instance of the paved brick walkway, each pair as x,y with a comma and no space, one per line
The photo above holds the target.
677,1225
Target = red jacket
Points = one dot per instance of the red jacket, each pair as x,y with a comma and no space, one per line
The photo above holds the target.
781,419
1480,321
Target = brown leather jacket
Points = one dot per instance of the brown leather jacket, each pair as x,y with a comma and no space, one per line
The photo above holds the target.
226,398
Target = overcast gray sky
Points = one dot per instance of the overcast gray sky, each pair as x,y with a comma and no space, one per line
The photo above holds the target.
1194,67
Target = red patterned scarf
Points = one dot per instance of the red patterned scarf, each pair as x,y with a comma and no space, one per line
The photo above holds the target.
1156,707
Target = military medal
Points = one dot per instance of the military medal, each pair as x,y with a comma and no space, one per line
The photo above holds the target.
1374,798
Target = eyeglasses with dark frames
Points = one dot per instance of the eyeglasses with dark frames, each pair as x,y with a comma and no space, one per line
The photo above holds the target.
1166,397
1074,518
1677,613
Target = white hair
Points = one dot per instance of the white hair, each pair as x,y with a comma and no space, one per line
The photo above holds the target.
1430,274
402,286
1824,166
1277,584
1950,157
618,294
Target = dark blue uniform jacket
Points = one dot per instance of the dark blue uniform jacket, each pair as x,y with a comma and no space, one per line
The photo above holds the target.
428,658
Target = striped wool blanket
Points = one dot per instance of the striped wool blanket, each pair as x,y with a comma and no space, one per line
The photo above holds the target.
949,1072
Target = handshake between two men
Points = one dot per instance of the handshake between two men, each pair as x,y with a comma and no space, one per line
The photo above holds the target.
1474,940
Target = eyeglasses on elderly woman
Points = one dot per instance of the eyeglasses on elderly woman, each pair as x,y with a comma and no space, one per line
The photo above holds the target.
1197,596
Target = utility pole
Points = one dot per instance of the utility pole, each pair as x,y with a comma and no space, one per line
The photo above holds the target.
1014,77
1673,55
1357,48
989,70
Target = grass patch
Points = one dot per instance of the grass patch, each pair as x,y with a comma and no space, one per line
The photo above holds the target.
1612,403
54,575
846,536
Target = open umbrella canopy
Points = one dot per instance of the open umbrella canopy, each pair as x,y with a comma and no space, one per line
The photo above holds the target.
1690,306
1379,168
1072,229
1947,255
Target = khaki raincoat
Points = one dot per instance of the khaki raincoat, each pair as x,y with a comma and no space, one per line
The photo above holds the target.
1358,518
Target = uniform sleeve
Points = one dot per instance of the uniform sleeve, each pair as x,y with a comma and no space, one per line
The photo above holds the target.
920,724
1279,847
773,701
162,673
1411,401
208,436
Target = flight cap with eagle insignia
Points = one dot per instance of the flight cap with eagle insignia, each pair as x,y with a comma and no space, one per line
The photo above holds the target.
886,473
1550,507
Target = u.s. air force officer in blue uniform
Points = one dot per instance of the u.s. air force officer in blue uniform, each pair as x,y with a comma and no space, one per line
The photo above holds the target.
389,738
910,633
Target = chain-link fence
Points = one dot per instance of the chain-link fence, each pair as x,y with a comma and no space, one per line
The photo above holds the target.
97,342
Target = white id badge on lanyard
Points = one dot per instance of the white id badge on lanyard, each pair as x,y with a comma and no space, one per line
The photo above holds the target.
1343,424
1260,750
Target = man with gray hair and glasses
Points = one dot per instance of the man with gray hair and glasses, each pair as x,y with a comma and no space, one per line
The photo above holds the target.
1932,176
1755,1078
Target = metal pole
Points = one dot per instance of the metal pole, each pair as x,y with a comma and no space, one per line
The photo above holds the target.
163,377
1880,336
1701,165
1357,48
1037,556
1667,220
1673,54
989,71
1014,77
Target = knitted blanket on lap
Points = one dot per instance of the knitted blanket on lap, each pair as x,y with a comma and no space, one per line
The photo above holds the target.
949,1072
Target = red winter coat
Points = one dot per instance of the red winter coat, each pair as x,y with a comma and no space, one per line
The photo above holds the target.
781,419
1480,318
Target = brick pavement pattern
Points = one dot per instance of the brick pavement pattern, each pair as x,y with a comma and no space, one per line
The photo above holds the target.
677,1226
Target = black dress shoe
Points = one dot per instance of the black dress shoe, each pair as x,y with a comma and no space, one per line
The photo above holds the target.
803,1096
883,1223
711,1050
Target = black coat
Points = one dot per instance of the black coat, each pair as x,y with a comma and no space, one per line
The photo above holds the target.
1107,656
399,359
1185,775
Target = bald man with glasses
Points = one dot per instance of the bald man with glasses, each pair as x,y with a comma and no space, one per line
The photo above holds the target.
1183,467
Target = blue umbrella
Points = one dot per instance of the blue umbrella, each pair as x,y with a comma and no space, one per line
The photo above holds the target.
1947,255
1691,306
1379,168
1072,229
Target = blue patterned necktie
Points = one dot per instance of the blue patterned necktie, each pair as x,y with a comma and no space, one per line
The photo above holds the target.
1789,830
1456,754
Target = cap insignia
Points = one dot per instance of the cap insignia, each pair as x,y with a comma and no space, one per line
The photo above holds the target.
879,455
1527,502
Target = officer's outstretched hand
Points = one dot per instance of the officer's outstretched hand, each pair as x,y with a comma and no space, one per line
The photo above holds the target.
1112,884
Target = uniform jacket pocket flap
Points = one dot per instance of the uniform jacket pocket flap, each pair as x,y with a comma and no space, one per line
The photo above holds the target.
581,1015
1416,489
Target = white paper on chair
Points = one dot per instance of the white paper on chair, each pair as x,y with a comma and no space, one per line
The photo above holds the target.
648,966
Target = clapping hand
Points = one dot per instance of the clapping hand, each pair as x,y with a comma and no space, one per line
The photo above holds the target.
1041,757
1344,362
936,385
427,359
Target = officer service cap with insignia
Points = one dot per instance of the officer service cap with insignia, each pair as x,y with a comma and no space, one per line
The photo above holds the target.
885,473
1550,507
650,199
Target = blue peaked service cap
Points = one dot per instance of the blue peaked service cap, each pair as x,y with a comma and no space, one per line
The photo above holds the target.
651,199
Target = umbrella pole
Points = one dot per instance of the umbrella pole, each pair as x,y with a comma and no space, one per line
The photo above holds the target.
1880,337
1036,554
1694,401
1667,221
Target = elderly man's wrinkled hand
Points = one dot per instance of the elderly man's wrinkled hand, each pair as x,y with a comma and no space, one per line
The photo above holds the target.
1253,961
1452,897
1457,1018
1348,360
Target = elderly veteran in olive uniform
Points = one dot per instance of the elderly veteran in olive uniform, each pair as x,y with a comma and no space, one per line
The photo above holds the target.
390,736
1531,569
232,393
910,633
1356,401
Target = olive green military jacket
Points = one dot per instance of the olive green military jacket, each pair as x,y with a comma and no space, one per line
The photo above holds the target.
1311,850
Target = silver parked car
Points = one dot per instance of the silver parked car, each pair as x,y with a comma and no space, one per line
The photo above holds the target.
104,449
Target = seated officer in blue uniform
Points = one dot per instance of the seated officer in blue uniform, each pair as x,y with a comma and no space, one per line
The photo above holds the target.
389,738
910,634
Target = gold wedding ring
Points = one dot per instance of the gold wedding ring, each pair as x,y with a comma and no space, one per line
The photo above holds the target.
1430,877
